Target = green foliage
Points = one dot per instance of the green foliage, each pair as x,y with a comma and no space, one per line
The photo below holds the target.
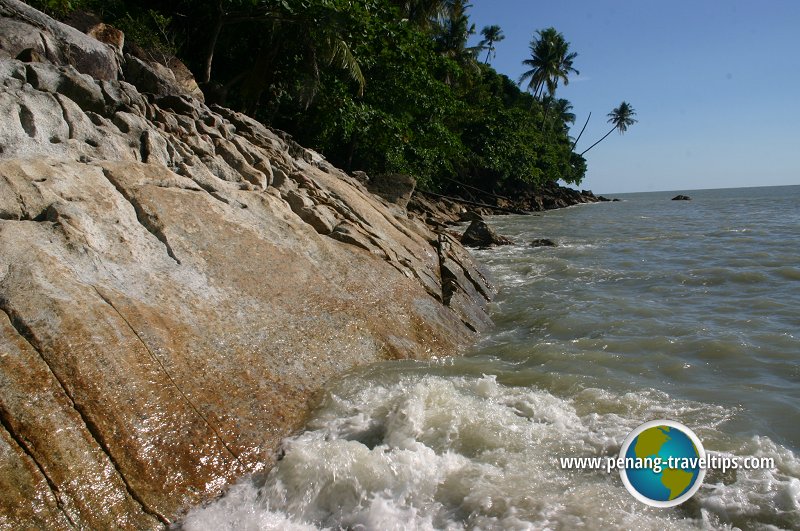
375,85
57,8
150,30
550,62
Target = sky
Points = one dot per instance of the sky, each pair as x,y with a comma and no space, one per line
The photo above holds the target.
715,85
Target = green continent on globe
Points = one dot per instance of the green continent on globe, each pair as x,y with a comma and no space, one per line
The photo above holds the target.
676,480
650,440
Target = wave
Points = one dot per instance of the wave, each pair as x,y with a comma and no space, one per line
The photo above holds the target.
454,452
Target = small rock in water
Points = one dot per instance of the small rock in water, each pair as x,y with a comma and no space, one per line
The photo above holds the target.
543,242
469,215
681,198
479,234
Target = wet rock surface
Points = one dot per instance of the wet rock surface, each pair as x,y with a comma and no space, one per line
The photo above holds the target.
543,242
177,282
479,234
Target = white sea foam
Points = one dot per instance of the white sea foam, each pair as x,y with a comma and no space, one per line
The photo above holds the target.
645,311
447,452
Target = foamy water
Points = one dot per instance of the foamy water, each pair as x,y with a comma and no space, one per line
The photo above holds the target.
648,309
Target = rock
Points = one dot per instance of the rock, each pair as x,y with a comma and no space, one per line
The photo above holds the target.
469,215
463,281
177,283
361,177
109,35
185,79
681,198
434,213
149,78
162,76
479,234
543,242
394,187
22,27
30,55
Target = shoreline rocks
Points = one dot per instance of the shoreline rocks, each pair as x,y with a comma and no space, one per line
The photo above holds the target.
177,283
479,234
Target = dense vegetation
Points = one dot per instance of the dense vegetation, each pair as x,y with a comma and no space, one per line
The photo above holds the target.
375,85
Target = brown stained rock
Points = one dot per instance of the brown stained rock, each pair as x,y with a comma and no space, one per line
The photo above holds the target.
470,215
170,320
193,333
34,407
463,283
26,500
108,34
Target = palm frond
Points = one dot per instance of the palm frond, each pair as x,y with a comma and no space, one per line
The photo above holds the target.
342,56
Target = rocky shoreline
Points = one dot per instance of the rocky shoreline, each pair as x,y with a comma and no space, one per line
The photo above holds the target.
178,282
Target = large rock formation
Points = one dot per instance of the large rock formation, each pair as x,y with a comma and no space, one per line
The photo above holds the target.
177,282
479,234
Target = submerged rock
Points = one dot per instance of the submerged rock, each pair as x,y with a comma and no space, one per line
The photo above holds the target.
177,282
543,242
681,198
479,234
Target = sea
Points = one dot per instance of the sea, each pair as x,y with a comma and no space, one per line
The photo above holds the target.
647,309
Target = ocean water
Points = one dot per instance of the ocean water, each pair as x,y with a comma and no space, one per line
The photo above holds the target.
647,309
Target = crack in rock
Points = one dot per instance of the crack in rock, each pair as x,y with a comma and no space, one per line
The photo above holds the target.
27,334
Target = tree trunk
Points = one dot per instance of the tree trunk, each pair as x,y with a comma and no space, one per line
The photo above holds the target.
212,44
604,137
582,130
351,149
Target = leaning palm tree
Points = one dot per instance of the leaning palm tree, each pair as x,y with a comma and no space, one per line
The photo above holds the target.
550,62
621,117
491,35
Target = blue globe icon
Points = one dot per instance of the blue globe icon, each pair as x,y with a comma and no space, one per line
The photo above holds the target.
662,463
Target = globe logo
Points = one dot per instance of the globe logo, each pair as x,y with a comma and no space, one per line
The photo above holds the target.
662,463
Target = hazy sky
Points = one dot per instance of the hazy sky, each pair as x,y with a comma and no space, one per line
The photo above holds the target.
715,84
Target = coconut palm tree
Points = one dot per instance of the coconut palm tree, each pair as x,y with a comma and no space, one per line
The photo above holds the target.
491,35
423,12
561,111
621,117
454,30
550,62
451,38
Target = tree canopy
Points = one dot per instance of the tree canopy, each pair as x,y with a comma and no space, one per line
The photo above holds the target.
550,62
374,85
